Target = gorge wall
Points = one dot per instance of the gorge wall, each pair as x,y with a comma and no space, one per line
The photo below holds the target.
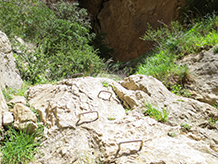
125,21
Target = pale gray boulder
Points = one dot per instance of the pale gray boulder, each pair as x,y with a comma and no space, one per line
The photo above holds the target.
75,136
9,75
203,68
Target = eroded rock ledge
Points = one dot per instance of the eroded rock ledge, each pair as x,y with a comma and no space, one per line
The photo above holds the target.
94,139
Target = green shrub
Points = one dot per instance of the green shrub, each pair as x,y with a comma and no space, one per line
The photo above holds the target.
177,40
155,113
60,39
173,42
20,146
162,67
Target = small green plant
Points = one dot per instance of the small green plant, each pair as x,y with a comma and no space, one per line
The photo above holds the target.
105,84
180,100
156,114
7,96
215,50
185,127
127,110
215,105
178,90
172,134
111,118
19,146
213,121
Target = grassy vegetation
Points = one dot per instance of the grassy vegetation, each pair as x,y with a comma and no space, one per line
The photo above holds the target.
19,146
185,127
172,43
60,39
158,115
215,105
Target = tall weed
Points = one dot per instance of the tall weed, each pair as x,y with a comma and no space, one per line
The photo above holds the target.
19,146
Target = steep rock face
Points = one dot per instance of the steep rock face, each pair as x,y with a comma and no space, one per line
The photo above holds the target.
9,75
203,68
75,136
126,21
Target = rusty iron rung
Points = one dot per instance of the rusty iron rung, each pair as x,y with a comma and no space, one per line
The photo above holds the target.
87,113
106,92
130,142
77,74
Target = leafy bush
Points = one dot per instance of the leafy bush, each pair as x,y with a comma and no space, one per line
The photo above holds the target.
155,113
20,146
173,42
60,39
175,39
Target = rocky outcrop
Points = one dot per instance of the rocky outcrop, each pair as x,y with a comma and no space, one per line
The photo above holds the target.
203,68
3,106
87,123
7,118
24,117
59,105
9,75
126,21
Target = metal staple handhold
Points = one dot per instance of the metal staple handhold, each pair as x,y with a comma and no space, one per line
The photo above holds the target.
106,92
77,74
130,142
87,113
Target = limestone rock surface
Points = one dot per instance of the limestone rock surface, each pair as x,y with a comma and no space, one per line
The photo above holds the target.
75,136
17,99
24,117
3,106
7,118
203,69
9,75
136,90
60,105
